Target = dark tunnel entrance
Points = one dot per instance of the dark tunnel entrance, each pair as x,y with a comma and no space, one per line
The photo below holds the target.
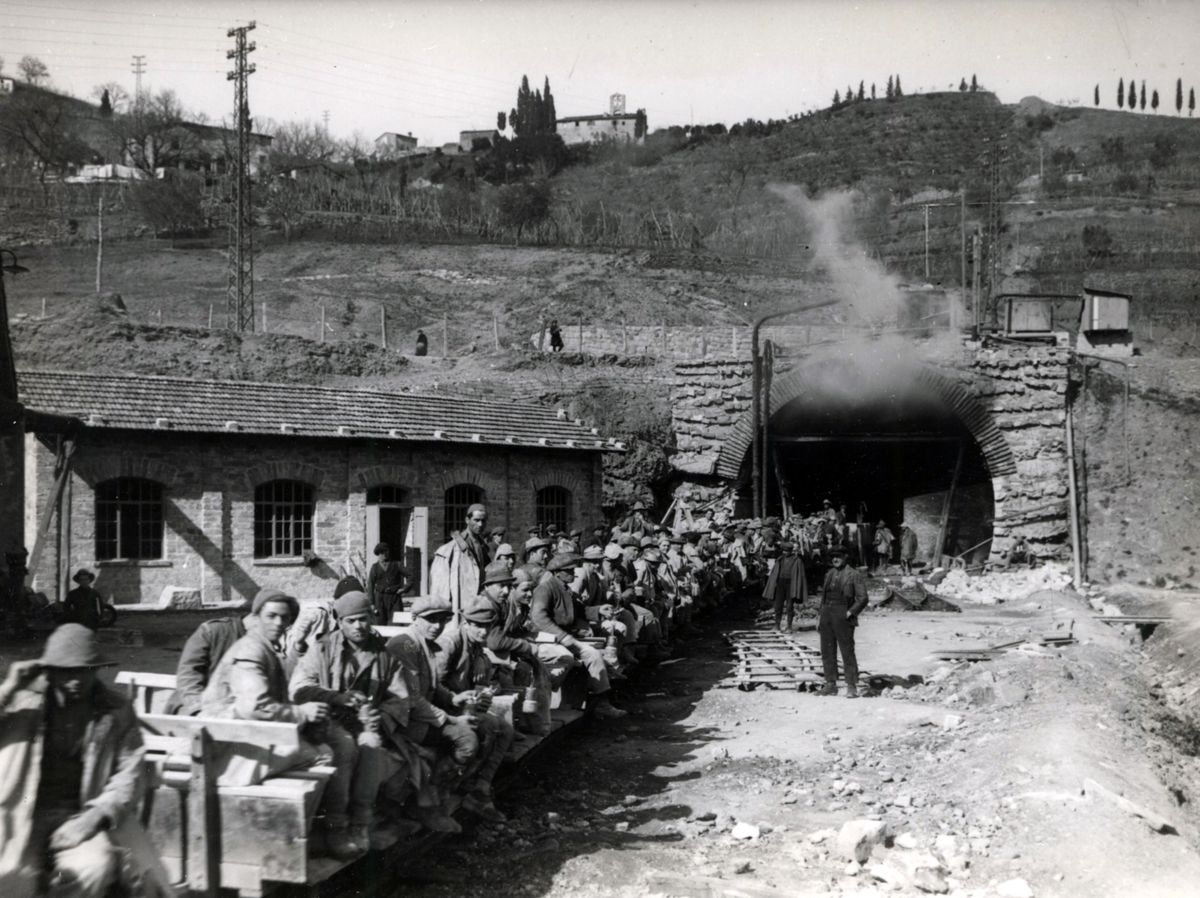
904,456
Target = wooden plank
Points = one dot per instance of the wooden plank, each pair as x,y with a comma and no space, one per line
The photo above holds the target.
203,821
138,678
1130,619
261,733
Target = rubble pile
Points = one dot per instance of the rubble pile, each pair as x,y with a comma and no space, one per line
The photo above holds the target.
998,587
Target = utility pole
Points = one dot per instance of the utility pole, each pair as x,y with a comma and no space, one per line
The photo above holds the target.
99,244
325,121
240,291
138,66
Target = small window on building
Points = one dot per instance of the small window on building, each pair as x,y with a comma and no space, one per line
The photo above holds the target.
387,494
459,498
283,519
553,506
129,520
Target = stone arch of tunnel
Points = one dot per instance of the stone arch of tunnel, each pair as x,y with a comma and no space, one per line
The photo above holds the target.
886,438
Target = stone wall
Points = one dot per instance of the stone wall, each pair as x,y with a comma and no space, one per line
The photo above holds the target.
1012,399
728,342
209,486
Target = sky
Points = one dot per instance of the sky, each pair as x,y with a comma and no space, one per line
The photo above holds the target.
435,67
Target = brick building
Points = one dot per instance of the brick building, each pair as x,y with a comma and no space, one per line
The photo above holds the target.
219,489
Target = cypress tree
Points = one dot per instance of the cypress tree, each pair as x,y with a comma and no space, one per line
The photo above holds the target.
837,99
1096,96
974,84
962,85
862,94
872,90
551,113
1191,101
1143,98
890,91
501,120
1132,93
899,92
1179,96
1121,93
1154,101
105,105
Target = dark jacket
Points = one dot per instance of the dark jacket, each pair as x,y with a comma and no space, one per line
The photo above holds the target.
83,606
427,696
845,587
386,578
789,568
201,653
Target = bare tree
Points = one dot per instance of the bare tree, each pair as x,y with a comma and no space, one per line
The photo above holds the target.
36,124
356,147
33,70
118,96
299,142
154,133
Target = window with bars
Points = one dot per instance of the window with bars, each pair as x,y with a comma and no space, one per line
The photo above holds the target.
283,519
129,520
458,499
553,506
387,494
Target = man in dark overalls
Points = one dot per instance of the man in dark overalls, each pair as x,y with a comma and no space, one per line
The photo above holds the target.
843,597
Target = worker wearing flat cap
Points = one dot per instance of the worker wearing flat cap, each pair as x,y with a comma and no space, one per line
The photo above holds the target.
71,786
843,597
351,671
554,612
506,556
495,538
438,718
537,555
387,582
465,668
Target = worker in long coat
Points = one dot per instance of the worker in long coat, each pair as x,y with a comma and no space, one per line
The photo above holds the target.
71,783
456,573
786,584
843,597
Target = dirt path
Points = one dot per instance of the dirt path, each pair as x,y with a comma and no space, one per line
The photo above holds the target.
985,765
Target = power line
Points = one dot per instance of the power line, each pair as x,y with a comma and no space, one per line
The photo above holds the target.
141,20
115,13
90,33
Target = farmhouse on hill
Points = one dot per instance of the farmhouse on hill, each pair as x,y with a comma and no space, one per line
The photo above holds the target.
391,145
208,491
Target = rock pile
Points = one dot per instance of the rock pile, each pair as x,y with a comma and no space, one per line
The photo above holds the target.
999,587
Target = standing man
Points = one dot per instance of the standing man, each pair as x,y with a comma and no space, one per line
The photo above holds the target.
495,539
422,343
908,547
786,584
71,760
386,584
457,570
843,597
883,545
84,605
556,339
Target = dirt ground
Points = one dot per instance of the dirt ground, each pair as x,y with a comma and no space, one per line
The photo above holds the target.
979,773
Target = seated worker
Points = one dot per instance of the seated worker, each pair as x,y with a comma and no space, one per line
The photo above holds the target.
464,667
351,671
386,584
251,683
510,642
71,755
438,718
537,554
83,604
202,652
592,588
317,620
505,553
621,593
553,612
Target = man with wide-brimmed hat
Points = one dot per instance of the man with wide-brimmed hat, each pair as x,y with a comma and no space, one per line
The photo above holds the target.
553,612
843,597
84,604
351,670
786,584
70,773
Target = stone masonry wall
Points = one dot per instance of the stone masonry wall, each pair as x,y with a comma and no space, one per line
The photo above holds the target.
1019,392
209,486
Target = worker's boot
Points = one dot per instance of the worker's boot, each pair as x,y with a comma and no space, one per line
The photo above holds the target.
340,844
828,689
602,708
483,807
851,690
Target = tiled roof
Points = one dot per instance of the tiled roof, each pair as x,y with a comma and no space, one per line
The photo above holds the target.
143,402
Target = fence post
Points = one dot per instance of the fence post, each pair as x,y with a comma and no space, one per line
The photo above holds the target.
664,338
581,335
322,334
383,324
624,338
445,337
210,310
43,308
733,330
496,328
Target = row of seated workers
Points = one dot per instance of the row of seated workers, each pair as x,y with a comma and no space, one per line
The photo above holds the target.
415,725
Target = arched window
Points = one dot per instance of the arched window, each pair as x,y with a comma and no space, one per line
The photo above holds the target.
129,519
387,494
283,519
553,506
458,499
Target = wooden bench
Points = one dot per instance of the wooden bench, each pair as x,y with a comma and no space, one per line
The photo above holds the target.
230,837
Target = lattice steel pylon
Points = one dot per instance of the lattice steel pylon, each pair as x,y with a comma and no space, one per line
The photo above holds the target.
240,291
